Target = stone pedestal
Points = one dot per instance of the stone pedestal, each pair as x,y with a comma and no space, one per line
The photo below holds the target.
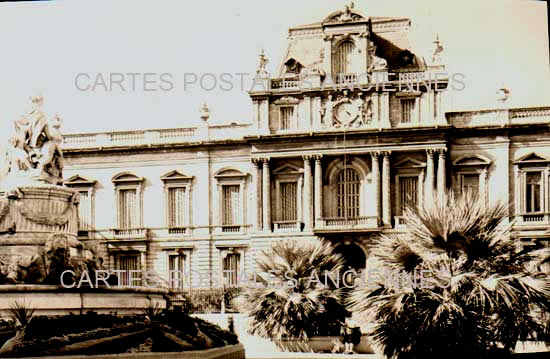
37,223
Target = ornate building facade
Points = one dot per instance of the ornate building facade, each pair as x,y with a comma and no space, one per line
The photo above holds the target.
350,131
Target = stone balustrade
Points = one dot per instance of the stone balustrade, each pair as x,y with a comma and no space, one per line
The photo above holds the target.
502,116
156,137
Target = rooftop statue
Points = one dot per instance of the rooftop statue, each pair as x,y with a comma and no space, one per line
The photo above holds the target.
34,152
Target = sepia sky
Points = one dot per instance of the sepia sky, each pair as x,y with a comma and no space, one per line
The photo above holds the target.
45,45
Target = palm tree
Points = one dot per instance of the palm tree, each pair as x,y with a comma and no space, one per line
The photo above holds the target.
456,284
294,305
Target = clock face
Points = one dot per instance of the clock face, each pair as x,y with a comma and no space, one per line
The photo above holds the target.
345,113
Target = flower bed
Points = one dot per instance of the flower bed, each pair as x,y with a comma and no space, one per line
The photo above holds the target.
108,334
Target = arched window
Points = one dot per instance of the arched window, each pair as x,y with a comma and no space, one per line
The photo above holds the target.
347,195
343,56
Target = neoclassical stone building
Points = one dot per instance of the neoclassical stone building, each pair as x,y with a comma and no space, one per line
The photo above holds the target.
350,131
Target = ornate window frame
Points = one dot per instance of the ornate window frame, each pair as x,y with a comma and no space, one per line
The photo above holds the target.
224,250
331,177
123,181
228,177
403,96
468,165
288,173
82,184
175,179
408,167
532,163
287,102
186,252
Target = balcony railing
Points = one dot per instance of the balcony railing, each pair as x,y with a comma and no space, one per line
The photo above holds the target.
129,232
177,230
283,83
533,218
228,229
369,222
280,226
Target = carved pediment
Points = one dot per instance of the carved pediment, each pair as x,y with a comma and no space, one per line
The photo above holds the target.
410,162
78,180
472,160
126,177
348,14
532,158
286,100
228,173
288,168
175,176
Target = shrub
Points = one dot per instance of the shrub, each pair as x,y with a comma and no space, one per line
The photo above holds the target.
300,310
482,293
205,300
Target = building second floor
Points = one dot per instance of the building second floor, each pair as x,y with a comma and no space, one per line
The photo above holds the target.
306,184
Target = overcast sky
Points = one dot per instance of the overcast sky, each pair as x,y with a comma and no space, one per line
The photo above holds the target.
46,45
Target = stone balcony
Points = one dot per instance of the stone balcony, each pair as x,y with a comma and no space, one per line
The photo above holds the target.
347,224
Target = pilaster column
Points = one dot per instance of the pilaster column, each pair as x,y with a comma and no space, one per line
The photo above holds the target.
429,185
546,192
386,201
266,195
376,183
517,190
308,199
318,188
441,172
483,185
256,195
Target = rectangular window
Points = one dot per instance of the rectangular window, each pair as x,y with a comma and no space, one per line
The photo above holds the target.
176,267
289,211
231,265
470,183
176,207
287,113
127,208
84,211
231,205
126,263
408,192
533,192
407,108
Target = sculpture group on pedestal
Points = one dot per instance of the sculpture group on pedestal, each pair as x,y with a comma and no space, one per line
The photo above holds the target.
38,217
34,151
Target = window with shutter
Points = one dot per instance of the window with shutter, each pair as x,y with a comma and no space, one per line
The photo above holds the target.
289,211
408,192
176,207
470,183
231,205
348,186
176,267
407,108
128,210
286,113
126,263
343,58
231,265
533,196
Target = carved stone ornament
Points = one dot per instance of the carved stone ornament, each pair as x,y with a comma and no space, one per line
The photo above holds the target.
347,15
376,63
346,111
34,151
